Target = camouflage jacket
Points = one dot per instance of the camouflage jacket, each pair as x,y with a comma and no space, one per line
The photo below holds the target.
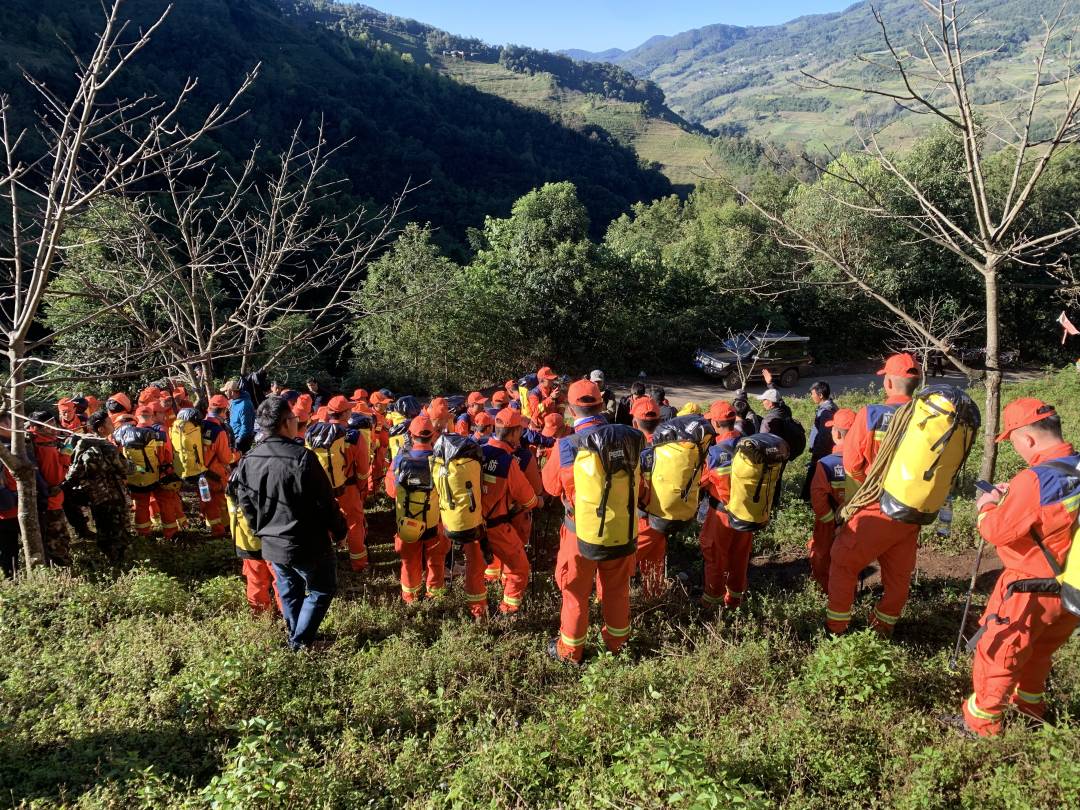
98,471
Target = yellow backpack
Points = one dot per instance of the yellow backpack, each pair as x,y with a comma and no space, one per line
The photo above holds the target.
607,476
140,446
248,545
756,469
416,502
329,443
189,456
672,466
399,439
524,386
455,470
937,431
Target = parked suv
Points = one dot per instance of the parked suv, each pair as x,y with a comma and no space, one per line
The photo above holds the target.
743,358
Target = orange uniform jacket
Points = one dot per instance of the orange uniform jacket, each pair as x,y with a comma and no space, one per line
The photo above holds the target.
504,483
359,456
540,405
218,453
716,474
1036,500
863,440
827,490
51,465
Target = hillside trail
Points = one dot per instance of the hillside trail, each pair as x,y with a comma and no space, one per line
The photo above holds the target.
685,388
791,569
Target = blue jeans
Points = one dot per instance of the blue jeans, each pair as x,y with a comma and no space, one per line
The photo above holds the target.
306,592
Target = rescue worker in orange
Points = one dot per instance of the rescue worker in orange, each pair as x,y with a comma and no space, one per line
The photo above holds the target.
499,400
1022,627
523,519
170,483
361,409
218,458
870,535
652,543
380,440
429,552
70,418
827,496
474,405
483,427
302,411
350,495
505,491
575,573
725,551
544,398
143,497
438,411
53,468
119,404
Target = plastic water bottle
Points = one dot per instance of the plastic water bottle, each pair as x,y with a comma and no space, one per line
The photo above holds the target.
204,489
944,516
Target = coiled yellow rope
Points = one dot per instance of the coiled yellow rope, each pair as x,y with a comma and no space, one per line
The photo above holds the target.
871,490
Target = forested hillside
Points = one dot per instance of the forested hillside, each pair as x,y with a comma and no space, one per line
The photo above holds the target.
476,152
743,80
600,100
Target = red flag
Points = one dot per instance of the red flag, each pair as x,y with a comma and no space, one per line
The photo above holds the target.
1067,325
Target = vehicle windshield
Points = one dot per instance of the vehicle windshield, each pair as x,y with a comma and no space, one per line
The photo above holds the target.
739,345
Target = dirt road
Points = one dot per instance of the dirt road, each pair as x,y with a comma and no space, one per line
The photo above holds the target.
702,389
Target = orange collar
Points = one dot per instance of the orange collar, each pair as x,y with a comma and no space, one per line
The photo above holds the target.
1050,453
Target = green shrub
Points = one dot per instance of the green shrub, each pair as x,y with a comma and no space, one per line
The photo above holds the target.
851,669
221,595
259,771
141,592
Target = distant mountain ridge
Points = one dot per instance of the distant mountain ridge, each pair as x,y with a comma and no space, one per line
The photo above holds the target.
742,79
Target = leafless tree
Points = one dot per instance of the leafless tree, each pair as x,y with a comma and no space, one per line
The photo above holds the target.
758,342
83,145
938,317
932,77
252,265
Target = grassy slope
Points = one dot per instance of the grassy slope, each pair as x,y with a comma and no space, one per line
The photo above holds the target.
157,689
681,154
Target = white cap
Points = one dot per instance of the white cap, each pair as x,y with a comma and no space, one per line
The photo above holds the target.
597,376
770,395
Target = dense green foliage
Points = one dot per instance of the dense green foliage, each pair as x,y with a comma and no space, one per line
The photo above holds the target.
672,275
475,152
155,688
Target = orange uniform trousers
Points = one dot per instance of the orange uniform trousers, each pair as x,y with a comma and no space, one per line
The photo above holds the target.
651,557
351,503
820,548
726,553
215,511
869,536
506,545
575,575
146,501
1017,638
475,585
260,585
522,523
428,556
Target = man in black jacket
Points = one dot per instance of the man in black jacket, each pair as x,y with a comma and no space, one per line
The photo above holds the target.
821,441
287,499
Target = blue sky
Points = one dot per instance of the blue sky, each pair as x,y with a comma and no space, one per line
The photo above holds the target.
594,24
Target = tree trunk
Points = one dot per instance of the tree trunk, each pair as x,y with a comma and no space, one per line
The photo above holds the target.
21,469
207,380
992,406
